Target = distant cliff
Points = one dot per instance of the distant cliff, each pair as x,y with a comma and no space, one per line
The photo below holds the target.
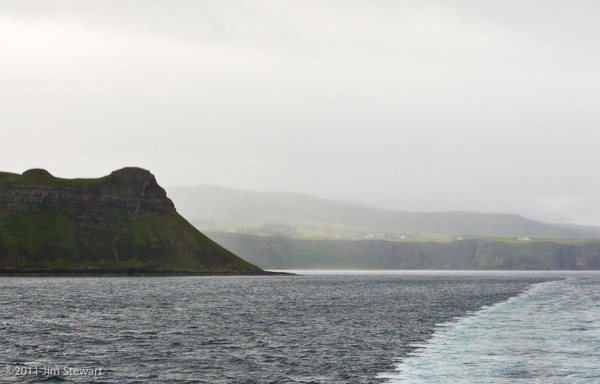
123,223
278,252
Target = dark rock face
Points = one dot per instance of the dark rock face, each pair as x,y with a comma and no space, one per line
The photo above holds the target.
129,189
120,222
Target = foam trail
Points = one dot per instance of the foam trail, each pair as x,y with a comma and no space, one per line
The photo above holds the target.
550,334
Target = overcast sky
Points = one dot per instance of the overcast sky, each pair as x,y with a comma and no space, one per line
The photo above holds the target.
489,106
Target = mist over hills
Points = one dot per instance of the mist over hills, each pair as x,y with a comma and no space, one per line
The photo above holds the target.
219,208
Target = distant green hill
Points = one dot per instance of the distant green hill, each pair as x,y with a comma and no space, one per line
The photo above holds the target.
119,224
218,208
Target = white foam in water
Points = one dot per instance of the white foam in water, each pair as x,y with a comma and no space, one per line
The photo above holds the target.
550,334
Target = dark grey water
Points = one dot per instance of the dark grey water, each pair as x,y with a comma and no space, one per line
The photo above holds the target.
306,329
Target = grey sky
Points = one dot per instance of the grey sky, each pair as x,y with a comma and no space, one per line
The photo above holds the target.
488,106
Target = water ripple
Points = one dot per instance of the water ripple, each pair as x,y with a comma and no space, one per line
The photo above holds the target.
310,329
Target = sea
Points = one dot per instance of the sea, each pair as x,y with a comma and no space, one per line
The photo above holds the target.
318,327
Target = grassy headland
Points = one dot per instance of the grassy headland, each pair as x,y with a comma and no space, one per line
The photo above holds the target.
119,224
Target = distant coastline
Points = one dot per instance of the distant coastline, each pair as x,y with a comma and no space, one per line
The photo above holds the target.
280,252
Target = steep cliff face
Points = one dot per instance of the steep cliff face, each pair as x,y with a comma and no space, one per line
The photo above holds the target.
120,222
278,252
130,189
